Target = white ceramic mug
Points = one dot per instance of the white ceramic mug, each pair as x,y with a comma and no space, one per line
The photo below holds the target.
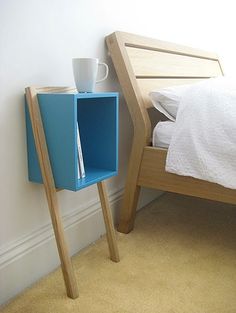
85,73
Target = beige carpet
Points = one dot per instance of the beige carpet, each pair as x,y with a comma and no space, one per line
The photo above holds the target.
181,258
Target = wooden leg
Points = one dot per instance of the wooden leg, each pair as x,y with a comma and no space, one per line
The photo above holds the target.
111,237
128,209
66,265
132,190
49,185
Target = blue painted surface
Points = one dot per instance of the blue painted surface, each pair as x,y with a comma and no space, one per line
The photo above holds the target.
34,173
97,114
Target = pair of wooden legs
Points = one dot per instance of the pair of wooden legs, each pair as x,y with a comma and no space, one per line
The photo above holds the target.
66,265
51,193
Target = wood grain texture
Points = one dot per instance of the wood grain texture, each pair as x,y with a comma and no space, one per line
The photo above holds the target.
132,190
142,65
141,122
56,90
129,85
49,186
151,63
110,231
142,42
153,175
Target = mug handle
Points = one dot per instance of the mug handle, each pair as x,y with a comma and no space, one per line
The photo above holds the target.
106,74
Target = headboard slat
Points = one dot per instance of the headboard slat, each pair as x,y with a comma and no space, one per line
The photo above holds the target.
149,63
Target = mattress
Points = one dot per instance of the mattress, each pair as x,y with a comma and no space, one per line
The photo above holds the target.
162,134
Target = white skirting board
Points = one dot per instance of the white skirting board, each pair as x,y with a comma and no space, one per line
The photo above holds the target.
32,257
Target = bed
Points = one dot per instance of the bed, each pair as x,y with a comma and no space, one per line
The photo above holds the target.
143,64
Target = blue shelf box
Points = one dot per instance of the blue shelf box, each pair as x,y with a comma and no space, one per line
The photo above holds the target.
97,117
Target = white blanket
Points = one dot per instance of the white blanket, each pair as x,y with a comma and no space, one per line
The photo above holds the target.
204,142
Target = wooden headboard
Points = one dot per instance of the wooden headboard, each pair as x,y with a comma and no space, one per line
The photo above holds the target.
143,64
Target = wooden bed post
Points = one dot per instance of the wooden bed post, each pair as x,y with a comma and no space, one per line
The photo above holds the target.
141,123
132,190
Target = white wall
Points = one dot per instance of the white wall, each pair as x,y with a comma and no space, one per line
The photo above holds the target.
37,41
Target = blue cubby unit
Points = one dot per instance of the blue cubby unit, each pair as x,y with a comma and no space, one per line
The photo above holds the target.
97,117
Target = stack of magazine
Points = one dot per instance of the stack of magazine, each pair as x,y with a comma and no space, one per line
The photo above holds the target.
81,171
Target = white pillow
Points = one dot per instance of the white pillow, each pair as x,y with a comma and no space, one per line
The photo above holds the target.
167,100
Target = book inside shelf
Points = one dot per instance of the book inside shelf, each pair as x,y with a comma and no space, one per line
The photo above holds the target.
81,171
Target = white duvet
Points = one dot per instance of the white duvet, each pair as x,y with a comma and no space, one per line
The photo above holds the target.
204,142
